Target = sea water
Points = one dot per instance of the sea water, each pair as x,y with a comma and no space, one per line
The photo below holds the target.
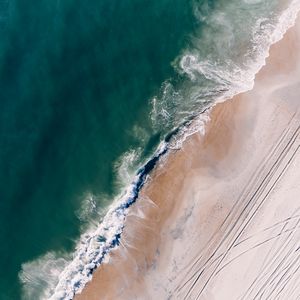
92,94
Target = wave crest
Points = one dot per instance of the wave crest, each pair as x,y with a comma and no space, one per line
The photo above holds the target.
209,71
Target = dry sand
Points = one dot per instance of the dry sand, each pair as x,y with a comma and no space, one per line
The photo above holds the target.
219,219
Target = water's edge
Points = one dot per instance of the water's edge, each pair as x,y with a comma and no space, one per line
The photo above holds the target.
94,247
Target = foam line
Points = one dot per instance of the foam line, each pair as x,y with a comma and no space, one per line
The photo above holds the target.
94,246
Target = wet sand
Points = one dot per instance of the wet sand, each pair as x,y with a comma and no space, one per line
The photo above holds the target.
219,218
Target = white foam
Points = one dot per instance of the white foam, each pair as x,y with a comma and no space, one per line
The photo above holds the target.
93,247
227,67
40,277
230,76
88,207
126,166
197,125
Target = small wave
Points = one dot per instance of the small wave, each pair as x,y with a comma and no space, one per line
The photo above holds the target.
197,124
94,245
223,59
40,277
88,207
126,166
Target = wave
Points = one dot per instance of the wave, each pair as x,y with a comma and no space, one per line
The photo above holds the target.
94,246
205,80
41,273
223,58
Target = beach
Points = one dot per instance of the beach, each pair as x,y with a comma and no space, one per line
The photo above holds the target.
219,218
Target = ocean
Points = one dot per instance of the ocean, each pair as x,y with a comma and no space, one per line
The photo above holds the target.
92,94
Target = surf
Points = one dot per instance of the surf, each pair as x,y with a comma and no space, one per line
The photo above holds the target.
182,108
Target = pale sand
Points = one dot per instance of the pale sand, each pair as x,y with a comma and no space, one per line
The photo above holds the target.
220,218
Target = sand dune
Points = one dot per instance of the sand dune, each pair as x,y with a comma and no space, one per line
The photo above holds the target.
220,218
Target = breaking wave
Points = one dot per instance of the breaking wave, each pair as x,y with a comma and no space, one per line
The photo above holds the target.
208,71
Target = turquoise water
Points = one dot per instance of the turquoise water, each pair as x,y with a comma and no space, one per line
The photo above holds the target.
75,79
88,89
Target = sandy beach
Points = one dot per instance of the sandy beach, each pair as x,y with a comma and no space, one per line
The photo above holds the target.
219,218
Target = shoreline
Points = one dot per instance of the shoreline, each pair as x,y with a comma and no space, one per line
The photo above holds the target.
140,267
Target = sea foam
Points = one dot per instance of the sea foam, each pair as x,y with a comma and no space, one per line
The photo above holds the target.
95,244
223,60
